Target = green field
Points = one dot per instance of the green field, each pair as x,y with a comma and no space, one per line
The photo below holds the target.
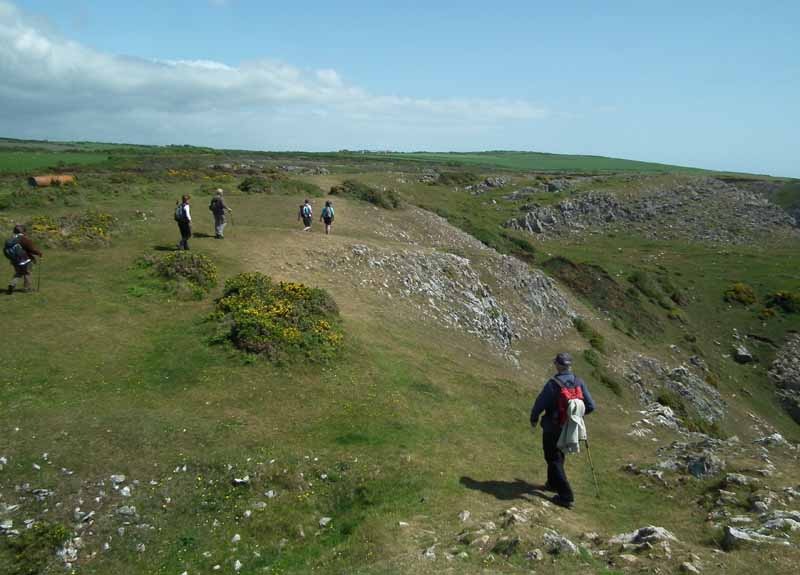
111,370
27,162
535,161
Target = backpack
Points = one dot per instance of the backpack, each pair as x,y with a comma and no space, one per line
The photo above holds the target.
327,212
215,206
180,213
14,251
306,211
565,394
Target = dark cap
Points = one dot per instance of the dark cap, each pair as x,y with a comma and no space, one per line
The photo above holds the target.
563,358
19,229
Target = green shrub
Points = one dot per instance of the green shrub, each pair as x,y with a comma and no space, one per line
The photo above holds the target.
92,228
652,289
609,381
190,275
673,400
383,198
740,293
261,184
33,549
789,302
456,178
591,357
595,339
279,320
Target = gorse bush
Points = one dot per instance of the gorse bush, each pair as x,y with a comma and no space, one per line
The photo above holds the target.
740,293
279,320
789,302
91,228
383,198
189,275
278,183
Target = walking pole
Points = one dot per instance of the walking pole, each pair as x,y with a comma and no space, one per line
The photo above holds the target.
591,466
38,275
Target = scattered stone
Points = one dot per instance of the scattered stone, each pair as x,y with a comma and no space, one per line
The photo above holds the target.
117,479
237,565
236,538
739,479
430,553
647,534
735,538
687,567
241,481
535,555
464,516
125,491
558,544
127,510
325,521
742,355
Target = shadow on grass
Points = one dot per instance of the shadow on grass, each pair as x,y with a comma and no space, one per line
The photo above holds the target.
201,235
506,490
165,248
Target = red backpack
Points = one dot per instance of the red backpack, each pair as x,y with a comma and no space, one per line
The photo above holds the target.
564,395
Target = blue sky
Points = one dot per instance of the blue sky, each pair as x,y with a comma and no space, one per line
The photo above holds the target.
709,84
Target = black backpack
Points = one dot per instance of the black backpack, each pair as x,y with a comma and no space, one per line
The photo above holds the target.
214,205
180,213
14,251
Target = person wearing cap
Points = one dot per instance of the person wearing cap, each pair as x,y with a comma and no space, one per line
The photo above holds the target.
218,208
547,404
21,252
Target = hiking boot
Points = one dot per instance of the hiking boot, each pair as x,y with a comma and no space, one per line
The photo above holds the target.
561,502
549,487
10,289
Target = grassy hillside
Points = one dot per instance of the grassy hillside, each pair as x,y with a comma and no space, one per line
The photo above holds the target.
228,457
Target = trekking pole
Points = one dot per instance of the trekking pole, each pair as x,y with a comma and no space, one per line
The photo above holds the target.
591,466
38,276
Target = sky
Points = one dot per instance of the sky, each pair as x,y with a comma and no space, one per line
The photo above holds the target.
706,83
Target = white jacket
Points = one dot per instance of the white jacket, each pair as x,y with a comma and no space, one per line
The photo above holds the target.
574,430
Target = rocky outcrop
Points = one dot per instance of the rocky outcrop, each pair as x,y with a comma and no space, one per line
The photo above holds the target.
649,377
785,375
703,210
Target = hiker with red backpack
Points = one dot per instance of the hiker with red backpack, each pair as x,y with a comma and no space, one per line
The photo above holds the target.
564,399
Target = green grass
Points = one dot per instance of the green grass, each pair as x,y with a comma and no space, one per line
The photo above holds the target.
535,161
108,372
27,162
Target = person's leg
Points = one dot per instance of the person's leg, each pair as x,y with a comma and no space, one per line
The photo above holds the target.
26,280
222,222
13,283
556,475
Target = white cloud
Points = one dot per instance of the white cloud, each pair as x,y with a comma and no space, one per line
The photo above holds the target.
55,87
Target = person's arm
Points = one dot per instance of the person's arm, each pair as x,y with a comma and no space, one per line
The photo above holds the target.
542,402
587,399
29,247
187,212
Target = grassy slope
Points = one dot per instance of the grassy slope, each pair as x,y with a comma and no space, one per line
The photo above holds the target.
113,377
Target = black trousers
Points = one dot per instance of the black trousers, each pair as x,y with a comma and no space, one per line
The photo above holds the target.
556,476
186,233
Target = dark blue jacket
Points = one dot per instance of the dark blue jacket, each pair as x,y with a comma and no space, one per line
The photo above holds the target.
547,401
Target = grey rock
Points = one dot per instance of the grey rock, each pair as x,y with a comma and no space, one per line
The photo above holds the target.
735,538
691,568
705,465
558,544
325,521
742,355
739,479
647,534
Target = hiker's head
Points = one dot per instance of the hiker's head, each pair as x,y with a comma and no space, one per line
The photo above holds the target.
19,229
305,201
328,203
563,362
219,191
185,198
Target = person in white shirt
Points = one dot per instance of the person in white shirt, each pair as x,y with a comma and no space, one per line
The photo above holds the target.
184,218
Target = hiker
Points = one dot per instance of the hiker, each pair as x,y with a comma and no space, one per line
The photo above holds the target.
327,216
184,218
21,252
563,400
305,215
218,208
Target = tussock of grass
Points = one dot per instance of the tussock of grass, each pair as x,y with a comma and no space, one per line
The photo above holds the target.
786,301
277,183
595,339
279,320
189,275
383,198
